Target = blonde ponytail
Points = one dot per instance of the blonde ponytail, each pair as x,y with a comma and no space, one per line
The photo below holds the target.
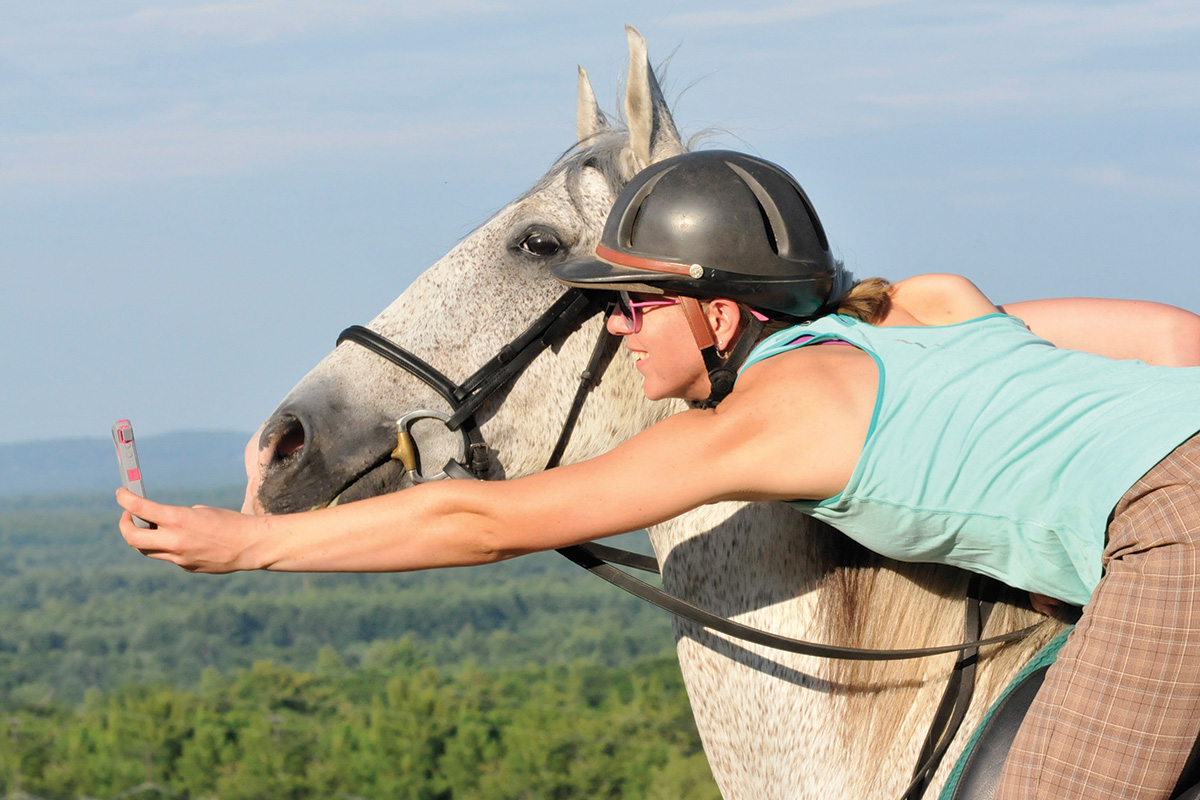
869,300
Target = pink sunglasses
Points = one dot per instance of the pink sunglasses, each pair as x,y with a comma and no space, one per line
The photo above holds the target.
631,314
631,310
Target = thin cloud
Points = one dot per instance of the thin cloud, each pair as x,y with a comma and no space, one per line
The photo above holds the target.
1004,94
1076,23
788,12
915,58
256,21
1075,20
184,144
1057,93
93,33
1118,179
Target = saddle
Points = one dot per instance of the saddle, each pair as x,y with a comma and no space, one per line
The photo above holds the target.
978,770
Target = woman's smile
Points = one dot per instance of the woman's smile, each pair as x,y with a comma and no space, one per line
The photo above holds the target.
665,354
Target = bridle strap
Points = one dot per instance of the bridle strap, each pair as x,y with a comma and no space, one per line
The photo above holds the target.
593,560
405,359
465,399
477,455
552,326
956,699
602,353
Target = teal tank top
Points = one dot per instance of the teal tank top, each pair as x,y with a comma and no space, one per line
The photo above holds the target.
992,450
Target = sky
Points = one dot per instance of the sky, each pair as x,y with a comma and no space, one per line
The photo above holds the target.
197,196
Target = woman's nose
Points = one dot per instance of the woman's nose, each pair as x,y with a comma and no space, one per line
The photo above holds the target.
617,324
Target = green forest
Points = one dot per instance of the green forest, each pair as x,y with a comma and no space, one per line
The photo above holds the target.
124,677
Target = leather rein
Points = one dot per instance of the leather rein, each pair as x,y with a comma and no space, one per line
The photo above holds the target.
563,318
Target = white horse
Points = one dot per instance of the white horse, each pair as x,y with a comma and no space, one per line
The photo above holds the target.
773,725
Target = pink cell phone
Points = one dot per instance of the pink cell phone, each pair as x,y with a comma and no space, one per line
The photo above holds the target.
127,458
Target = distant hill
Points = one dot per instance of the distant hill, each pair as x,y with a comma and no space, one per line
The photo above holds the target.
189,459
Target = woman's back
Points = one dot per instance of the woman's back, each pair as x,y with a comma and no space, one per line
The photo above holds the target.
993,450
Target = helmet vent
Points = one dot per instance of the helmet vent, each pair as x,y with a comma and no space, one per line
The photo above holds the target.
633,209
773,221
766,221
632,229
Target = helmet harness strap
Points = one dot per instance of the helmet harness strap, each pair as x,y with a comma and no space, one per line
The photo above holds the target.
722,371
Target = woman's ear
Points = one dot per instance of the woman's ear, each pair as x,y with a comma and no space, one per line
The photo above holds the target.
725,319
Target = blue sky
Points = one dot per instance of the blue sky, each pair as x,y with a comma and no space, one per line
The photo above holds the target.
195,197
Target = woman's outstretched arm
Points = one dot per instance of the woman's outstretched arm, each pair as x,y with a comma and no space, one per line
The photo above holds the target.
1120,329
1152,332
687,460
441,524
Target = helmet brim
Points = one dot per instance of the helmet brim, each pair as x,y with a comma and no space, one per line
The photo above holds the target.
593,273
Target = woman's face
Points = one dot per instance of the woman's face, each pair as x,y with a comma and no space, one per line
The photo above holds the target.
665,351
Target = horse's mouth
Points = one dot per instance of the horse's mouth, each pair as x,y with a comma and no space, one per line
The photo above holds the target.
383,476
314,487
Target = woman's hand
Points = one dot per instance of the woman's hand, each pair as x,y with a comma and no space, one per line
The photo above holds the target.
1044,604
198,539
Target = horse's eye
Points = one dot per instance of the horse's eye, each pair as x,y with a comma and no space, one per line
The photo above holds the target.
541,243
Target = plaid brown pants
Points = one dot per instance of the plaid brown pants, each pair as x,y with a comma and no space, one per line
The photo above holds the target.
1120,709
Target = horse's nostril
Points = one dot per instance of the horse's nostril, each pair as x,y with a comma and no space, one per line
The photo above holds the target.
291,441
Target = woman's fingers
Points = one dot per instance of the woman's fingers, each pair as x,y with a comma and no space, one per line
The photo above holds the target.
198,539
147,541
140,507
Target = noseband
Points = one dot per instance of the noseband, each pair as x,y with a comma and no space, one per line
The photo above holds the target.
558,322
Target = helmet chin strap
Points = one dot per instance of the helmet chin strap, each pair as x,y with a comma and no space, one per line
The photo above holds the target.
722,371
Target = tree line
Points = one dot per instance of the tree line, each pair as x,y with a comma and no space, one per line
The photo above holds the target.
395,726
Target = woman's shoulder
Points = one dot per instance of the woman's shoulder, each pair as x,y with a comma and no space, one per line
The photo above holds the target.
936,299
805,364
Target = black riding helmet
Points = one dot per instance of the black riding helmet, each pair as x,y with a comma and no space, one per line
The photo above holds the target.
716,223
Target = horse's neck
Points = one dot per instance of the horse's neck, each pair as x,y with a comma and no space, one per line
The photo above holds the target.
831,724
755,709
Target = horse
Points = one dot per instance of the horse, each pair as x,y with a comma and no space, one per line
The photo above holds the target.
773,724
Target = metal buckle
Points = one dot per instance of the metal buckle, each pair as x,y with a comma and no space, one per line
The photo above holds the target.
406,448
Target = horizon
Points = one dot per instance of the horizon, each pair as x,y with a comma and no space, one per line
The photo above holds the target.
140,436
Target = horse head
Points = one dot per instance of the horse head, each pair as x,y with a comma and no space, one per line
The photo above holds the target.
331,438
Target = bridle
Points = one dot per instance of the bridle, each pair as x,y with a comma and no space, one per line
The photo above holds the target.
563,317
560,320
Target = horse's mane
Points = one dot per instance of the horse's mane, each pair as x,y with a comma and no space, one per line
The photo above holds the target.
868,601
607,153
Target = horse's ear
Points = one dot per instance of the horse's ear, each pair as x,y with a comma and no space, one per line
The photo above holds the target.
652,133
589,119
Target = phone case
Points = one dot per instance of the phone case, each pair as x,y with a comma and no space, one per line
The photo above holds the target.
127,458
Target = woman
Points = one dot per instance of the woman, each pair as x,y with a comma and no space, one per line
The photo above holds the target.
945,431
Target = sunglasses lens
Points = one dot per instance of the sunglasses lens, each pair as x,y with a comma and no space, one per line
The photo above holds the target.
628,311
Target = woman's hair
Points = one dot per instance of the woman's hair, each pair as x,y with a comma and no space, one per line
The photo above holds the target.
869,300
